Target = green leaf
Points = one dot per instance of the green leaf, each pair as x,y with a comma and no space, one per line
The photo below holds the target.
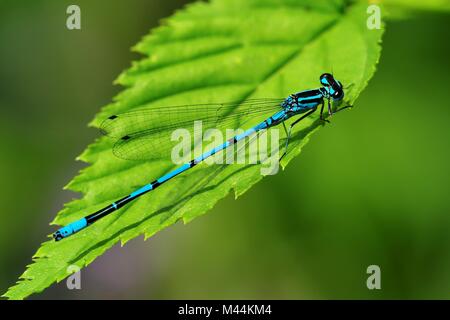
227,50
400,9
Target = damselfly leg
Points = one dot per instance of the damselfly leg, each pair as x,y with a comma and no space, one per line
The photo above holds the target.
321,114
288,132
330,111
343,108
290,129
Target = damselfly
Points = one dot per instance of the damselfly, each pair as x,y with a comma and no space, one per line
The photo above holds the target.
145,133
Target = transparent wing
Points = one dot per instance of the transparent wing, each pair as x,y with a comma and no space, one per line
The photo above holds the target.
146,133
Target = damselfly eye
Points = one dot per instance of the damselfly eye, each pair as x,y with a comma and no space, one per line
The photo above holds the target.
338,95
327,79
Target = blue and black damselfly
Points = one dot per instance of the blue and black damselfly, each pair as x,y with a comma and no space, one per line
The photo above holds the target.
145,133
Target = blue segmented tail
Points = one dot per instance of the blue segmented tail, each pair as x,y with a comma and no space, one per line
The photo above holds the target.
88,220
70,229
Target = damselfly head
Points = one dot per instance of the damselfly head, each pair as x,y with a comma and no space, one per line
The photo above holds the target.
332,86
326,79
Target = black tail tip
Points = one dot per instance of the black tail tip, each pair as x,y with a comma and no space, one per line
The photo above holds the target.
57,236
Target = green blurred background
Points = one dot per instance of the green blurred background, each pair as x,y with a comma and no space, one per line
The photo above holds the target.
371,188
